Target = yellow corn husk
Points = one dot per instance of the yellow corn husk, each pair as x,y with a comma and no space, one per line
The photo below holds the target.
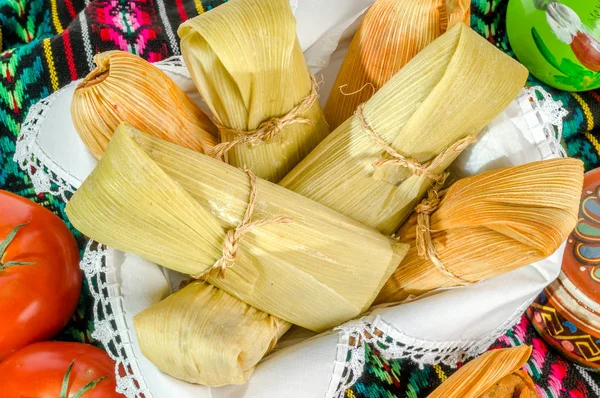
203,335
449,91
126,88
495,374
391,34
171,205
490,224
257,74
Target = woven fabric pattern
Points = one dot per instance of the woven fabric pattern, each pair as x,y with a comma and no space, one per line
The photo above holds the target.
554,376
45,44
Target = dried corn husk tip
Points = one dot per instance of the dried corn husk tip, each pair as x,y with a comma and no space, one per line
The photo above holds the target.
495,374
126,88
487,225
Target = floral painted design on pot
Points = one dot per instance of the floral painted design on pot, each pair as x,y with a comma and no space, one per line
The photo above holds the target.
558,41
567,313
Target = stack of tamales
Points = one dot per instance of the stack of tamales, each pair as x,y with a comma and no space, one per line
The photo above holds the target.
256,84
174,206
314,257
418,114
392,33
490,224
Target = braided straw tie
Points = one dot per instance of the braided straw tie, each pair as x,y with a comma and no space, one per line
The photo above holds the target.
425,245
267,129
234,236
419,169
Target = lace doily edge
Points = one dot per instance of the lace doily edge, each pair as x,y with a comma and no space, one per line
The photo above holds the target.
350,359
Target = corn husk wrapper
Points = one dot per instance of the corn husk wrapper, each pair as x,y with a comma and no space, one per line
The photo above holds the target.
490,224
495,374
257,74
391,34
126,88
449,91
172,206
203,335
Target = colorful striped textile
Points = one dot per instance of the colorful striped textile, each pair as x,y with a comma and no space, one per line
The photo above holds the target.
554,376
45,44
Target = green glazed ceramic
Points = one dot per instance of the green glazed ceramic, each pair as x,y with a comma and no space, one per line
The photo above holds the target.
558,41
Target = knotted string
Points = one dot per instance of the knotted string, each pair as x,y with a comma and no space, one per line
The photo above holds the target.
425,245
426,169
268,128
234,236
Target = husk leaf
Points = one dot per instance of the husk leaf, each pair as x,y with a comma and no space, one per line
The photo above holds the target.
126,88
203,335
492,223
171,205
392,33
257,74
420,112
478,377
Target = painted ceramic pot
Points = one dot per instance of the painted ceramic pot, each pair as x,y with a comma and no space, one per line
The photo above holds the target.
567,313
557,40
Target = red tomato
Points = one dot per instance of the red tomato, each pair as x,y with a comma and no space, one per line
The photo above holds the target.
39,370
40,279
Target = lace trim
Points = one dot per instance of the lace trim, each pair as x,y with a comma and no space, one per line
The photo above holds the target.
110,327
393,344
45,176
548,115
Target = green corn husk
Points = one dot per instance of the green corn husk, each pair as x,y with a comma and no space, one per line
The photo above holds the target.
203,335
251,76
172,206
449,91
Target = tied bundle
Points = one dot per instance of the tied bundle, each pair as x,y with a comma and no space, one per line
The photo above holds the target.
392,33
487,225
495,374
203,335
175,207
126,88
378,164
256,84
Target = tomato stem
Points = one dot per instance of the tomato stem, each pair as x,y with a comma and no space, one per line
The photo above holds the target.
4,245
64,389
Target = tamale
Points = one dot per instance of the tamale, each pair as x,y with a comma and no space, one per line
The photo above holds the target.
126,88
490,224
391,34
203,335
495,374
173,206
426,113
246,61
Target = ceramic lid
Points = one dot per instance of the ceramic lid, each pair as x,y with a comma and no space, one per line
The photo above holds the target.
581,262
